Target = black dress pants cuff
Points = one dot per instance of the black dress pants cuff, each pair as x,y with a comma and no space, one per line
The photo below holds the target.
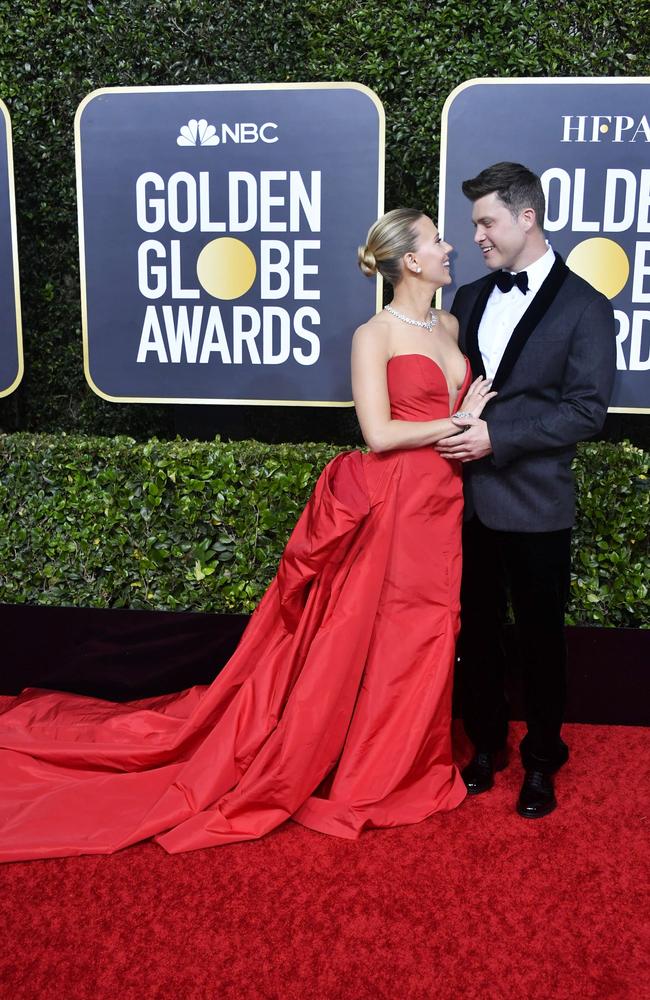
547,761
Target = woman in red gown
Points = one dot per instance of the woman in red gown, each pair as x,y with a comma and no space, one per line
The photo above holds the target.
335,710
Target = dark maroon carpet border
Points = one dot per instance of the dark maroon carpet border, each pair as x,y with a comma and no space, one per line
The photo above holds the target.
122,654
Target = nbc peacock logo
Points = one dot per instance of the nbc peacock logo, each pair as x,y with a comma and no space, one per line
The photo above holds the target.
198,132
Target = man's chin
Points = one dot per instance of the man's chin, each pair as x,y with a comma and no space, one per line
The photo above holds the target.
492,263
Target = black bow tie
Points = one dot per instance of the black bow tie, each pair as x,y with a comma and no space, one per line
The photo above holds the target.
506,281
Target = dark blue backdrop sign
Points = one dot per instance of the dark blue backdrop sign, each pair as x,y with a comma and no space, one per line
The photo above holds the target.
11,347
218,236
589,140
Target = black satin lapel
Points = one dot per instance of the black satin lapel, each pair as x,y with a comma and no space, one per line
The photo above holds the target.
531,318
471,336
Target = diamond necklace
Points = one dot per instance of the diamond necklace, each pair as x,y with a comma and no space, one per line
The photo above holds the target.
426,324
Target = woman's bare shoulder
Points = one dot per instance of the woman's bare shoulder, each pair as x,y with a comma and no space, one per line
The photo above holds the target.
373,334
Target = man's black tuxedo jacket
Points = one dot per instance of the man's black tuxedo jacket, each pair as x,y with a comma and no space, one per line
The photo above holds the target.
554,384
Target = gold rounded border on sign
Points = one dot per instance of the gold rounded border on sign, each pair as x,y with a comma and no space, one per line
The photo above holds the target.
20,370
308,85
500,81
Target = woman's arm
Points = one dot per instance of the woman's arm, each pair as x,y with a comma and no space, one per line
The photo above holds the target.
370,390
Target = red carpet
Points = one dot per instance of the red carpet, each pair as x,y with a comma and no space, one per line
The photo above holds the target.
476,904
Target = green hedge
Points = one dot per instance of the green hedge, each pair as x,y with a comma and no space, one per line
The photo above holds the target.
412,52
611,565
102,522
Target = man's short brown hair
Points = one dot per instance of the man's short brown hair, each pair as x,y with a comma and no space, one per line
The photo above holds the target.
516,185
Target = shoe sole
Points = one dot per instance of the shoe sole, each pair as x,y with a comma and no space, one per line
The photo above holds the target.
478,791
481,791
537,815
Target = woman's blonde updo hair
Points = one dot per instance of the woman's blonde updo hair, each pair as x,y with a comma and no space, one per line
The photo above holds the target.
388,240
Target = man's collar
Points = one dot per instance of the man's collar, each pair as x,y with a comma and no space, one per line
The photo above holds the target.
539,270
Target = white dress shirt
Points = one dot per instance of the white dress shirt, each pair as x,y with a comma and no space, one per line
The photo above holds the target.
504,310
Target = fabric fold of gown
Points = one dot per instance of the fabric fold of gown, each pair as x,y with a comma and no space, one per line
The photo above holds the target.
335,709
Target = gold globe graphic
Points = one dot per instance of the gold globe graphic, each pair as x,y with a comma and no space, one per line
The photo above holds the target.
226,268
601,262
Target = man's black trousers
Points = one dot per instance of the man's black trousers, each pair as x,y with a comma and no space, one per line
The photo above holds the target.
532,570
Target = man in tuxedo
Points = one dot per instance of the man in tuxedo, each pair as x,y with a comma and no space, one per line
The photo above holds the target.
546,340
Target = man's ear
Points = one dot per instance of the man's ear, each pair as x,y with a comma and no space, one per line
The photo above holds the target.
528,217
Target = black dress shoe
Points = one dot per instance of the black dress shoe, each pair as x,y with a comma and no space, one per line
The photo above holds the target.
537,797
479,773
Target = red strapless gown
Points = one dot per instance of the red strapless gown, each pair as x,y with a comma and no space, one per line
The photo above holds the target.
335,710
